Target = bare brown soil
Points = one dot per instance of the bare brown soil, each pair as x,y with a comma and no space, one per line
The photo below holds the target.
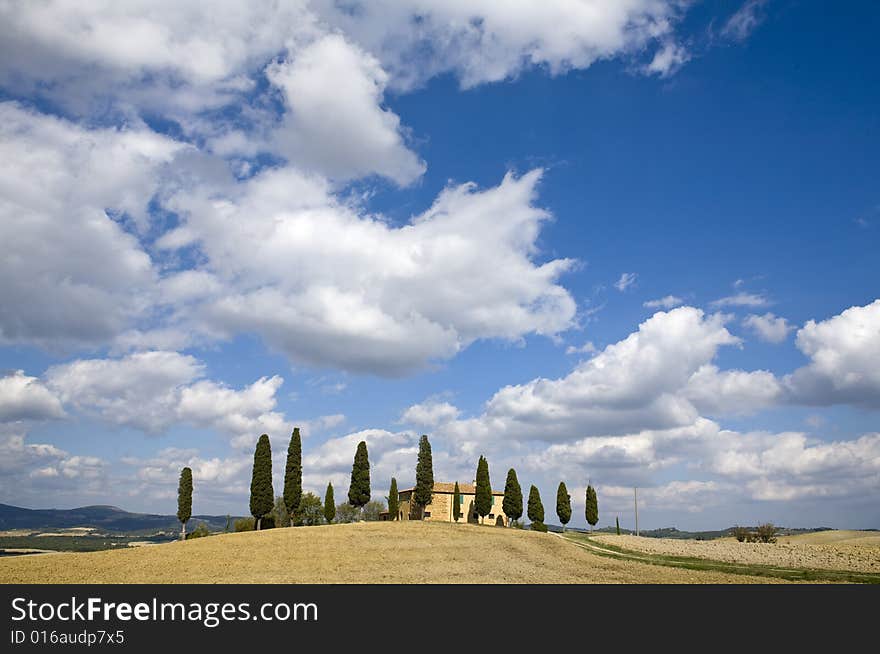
815,551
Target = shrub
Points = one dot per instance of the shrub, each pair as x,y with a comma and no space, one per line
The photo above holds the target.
371,510
766,533
199,532
740,533
245,524
268,522
538,526
311,511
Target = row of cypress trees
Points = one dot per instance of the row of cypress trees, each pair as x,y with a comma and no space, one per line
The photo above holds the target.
262,493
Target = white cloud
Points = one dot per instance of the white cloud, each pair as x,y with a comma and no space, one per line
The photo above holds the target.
152,391
666,302
486,41
844,354
668,59
631,385
744,21
789,466
58,182
768,327
690,495
429,414
626,280
158,54
328,285
141,390
335,124
741,300
732,392
26,398
244,413
33,471
586,348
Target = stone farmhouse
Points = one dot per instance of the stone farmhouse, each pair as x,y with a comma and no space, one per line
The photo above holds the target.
440,507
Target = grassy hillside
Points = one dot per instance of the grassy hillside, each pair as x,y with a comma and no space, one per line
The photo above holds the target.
408,552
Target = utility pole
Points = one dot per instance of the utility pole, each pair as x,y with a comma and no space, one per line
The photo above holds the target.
636,502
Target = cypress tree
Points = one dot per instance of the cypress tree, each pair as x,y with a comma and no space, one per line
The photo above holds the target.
483,493
456,503
536,508
513,500
591,510
393,500
424,477
563,505
329,504
293,478
184,500
262,494
617,522
359,488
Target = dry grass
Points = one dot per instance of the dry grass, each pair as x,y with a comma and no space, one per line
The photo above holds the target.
814,551
408,552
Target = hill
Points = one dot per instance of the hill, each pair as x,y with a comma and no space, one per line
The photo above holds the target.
104,518
376,552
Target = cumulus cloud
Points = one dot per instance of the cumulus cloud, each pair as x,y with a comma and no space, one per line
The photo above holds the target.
216,480
732,392
429,414
768,327
26,398
33,471
666,302
53,294
485,41
157,55
844,353
630,385
151,391
141,390
790,466
335,124
328,285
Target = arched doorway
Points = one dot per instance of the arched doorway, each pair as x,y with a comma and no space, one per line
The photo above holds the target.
499,521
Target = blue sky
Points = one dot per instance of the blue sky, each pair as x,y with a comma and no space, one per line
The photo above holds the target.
639,249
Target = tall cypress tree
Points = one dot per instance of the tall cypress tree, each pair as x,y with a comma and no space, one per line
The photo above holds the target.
184,500
393,500
591,510
329,504
262,494
563,505
293,478
456,503
483,493
513,500
359,488
424,476
617,523
536,508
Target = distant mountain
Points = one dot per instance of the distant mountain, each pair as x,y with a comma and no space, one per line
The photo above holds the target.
104,518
